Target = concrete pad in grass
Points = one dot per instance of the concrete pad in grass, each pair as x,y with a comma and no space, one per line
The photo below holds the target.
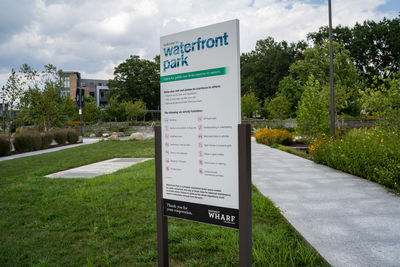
98,168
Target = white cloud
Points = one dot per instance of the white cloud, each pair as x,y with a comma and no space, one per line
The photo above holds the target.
94,36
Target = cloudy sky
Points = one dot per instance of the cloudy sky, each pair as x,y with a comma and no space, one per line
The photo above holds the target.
94,36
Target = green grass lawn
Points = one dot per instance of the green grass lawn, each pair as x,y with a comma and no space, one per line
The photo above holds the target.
110,220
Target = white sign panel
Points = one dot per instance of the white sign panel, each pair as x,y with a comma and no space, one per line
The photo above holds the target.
200,112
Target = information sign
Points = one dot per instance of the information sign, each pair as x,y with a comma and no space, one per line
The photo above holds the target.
200,113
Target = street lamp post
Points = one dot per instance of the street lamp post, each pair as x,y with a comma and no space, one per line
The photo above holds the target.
332,92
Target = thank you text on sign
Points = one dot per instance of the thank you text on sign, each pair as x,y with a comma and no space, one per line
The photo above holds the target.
200,112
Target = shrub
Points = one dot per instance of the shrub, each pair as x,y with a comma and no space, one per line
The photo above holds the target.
61,136
36,141
47,138
27,141
275,136
72,136
5,145
312,114
99,133
373,154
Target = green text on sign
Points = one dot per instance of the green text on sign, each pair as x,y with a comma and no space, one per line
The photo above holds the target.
193,75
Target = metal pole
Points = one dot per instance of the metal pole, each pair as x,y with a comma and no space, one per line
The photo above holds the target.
80,110
332,92
2,114
245,224
162,221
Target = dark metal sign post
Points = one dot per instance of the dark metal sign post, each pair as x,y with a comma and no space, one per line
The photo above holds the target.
80,104
245,214
245,224
162,221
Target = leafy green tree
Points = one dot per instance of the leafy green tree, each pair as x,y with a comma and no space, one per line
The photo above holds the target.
11,93
383,100
279,107
374,46
69,109
90,113
114,111
264,67
292,90
41,104
136,79
250,104
135,110
346,78
312,114
264,109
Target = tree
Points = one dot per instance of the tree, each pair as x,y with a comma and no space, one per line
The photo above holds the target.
11,93
41,104
347,81
90,113
383,100
114,111
264,110
374,46
264,67
250,104
137,79
292,90
312,114
69,109
135,110
279,107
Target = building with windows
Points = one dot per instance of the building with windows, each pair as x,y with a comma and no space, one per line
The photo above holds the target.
93,87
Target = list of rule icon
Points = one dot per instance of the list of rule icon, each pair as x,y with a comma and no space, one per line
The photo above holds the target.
200,144
166,143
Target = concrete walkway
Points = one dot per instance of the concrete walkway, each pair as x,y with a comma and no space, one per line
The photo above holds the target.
348,220
98,168
86,141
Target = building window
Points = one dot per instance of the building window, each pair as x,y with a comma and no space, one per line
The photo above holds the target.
66,82
102,94
91,94
100,84
83,84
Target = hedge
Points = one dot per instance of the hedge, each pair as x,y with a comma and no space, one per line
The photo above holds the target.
27,141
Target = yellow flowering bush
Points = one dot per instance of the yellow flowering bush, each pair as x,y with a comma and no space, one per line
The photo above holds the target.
274,136
373,154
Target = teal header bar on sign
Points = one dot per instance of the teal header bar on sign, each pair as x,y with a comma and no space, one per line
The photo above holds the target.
193,75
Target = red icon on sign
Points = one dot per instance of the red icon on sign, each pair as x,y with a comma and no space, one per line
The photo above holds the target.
200,127
200,153
200,162
200,118
167,169
200,144
201,171
166,119
167,152
166,136
200,136
167,160
166,144
166,128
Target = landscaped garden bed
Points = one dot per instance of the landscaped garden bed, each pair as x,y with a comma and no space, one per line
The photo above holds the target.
373,153
31,140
